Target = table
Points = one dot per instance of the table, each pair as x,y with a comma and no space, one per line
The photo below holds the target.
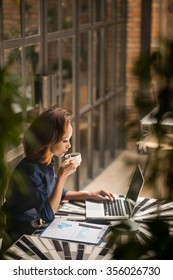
33,247
147,122
150,140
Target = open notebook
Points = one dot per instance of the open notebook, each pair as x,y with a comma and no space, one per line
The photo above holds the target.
122,207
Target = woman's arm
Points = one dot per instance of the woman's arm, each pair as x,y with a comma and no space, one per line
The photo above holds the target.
84,195
68,167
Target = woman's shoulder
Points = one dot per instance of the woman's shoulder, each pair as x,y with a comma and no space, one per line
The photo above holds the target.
28,165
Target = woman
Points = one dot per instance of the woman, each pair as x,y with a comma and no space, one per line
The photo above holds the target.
35,191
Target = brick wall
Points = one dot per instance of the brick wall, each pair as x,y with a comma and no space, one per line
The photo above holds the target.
133,46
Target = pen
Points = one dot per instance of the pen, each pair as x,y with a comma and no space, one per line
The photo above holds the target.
89,226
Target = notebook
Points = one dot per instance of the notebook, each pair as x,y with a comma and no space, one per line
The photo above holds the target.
122,207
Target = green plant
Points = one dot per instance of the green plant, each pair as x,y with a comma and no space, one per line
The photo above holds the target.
11,124
157,66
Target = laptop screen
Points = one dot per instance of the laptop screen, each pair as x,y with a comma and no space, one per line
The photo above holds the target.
135,184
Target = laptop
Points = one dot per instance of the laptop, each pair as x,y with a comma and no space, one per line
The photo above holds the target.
122,207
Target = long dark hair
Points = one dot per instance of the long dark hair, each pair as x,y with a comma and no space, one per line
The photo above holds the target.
47,129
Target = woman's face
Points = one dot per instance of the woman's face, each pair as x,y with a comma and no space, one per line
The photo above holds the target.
60,148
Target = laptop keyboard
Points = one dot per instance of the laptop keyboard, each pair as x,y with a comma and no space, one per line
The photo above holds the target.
117,207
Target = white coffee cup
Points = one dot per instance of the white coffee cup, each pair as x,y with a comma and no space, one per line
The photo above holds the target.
76,157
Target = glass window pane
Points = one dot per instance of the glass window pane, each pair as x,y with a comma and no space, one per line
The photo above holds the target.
52,15
55,72
32,54
11,19
84,11
109,10
60,68
53,57
96,140
67,60
60,15
96,65
119,50
67,14
83,126
108,61
109,130
15,56
83,70
32,58
97,10
119,8
31,17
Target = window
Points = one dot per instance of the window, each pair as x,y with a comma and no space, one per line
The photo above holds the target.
72,54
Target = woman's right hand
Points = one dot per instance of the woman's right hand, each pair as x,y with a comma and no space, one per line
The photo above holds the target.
67,168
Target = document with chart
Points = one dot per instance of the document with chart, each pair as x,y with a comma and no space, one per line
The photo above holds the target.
82,232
